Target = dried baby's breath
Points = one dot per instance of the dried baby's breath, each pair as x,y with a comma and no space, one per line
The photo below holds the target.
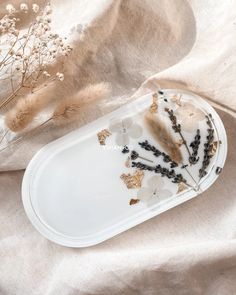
27,54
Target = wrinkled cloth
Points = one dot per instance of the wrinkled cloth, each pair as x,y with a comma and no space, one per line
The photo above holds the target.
136,46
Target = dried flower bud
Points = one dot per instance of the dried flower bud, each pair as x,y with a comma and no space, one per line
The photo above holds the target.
46,74
60,76
48,9
35,8
10,8
24,7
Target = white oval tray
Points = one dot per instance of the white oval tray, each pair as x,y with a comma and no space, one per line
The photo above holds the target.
72,191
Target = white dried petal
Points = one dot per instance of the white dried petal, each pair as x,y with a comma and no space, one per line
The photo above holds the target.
122,139
135,131
127,122
155,182
115,125
145,194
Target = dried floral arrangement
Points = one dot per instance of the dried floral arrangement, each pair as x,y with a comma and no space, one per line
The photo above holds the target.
27,57
169,149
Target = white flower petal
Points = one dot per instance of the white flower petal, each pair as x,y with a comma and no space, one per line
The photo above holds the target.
155,182
115,125
127,122
164,194
199,115
144,194
135,131
122,139
189,125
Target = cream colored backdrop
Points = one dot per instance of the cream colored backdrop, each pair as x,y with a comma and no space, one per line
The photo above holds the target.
191,249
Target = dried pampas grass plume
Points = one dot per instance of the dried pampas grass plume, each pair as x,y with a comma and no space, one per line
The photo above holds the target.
163,136
68,110
24,112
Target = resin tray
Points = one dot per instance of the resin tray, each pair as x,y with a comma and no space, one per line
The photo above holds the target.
114,173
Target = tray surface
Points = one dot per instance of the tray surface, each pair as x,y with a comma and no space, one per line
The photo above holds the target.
82,189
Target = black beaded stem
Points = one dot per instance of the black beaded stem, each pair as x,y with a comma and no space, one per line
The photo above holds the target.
176,178
156,152
193,159
145,144
207,147
177,127
134,155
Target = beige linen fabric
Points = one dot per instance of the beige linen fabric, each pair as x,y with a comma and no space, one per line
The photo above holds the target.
190,249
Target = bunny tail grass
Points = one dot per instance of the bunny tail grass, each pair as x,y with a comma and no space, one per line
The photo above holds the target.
69,109
163,136
18,118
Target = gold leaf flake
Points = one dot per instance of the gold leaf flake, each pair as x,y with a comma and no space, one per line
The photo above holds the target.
213,148
102,135
177,99
133,181
181,187
134,201
154,106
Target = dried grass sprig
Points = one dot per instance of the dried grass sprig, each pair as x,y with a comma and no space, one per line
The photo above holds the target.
23,113
26,55
163,136
68,110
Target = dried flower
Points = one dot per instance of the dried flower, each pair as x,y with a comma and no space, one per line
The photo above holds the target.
189,116
10,8
163,136
163,171
24,112
177,127
60,76
207,148
154,189
35,8
69,109
125,129
134,155
156,152
193,159
24,7
28,53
